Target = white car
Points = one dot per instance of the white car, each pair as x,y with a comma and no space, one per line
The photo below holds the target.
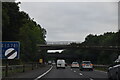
53,63
49,62
75,65
86,65
60,63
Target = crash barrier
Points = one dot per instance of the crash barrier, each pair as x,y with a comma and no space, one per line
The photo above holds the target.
101,67
11,69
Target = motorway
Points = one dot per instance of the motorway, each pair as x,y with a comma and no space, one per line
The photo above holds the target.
74,73
51,73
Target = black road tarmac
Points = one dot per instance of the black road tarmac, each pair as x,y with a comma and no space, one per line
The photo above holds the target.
75,73
51,73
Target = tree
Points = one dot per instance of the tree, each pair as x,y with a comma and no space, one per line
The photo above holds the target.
18,26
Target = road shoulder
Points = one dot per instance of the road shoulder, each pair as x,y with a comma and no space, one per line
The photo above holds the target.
30,75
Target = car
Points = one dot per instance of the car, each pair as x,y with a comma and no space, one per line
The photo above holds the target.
53,63
49,62
75,65
86,65
114,70
60,63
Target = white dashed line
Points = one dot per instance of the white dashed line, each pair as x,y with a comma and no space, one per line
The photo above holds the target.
80,74
91,79
74,71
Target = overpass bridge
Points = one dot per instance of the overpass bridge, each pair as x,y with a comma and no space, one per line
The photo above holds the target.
60,47
65,56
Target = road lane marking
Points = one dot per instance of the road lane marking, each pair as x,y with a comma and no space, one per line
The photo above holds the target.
91,79
80,74
74,71
71,69
44,73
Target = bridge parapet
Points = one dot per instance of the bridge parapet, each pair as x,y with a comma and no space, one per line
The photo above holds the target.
60,42
59,47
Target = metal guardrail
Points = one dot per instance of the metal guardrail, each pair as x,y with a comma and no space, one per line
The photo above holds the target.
11,67
24,67
15,66
19,68
101,67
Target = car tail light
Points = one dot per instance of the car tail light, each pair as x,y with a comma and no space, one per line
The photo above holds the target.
83,64
76,64
91,64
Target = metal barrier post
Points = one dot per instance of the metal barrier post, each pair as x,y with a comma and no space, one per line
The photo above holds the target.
6,68
32,66
23,68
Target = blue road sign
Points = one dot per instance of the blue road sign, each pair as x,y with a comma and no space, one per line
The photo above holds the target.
9,50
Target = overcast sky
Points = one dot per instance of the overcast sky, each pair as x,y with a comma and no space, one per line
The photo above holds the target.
66,21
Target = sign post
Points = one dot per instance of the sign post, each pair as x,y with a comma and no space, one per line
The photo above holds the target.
41,61
10,50
6,68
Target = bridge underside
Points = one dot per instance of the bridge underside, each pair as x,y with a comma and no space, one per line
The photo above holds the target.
62,56
59,47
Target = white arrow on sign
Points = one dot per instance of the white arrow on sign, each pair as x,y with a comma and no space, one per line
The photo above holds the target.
10,53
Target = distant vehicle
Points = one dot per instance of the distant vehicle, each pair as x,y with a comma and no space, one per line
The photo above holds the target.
66,64
86,65
53,63
60,64
49,62
75,65
114,70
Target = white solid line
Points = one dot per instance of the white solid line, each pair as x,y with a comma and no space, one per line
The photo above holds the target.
44,73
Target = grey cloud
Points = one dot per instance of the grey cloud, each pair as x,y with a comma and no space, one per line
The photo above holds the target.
73,21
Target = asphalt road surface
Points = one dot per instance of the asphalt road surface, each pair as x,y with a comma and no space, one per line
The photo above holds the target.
51,73
74,73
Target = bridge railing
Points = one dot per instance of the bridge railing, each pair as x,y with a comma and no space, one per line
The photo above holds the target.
60,42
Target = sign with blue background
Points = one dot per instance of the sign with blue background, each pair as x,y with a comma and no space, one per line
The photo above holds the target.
9,50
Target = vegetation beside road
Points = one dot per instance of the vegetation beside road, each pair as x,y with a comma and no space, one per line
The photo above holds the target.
101,69
18,26
97,56
16,69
